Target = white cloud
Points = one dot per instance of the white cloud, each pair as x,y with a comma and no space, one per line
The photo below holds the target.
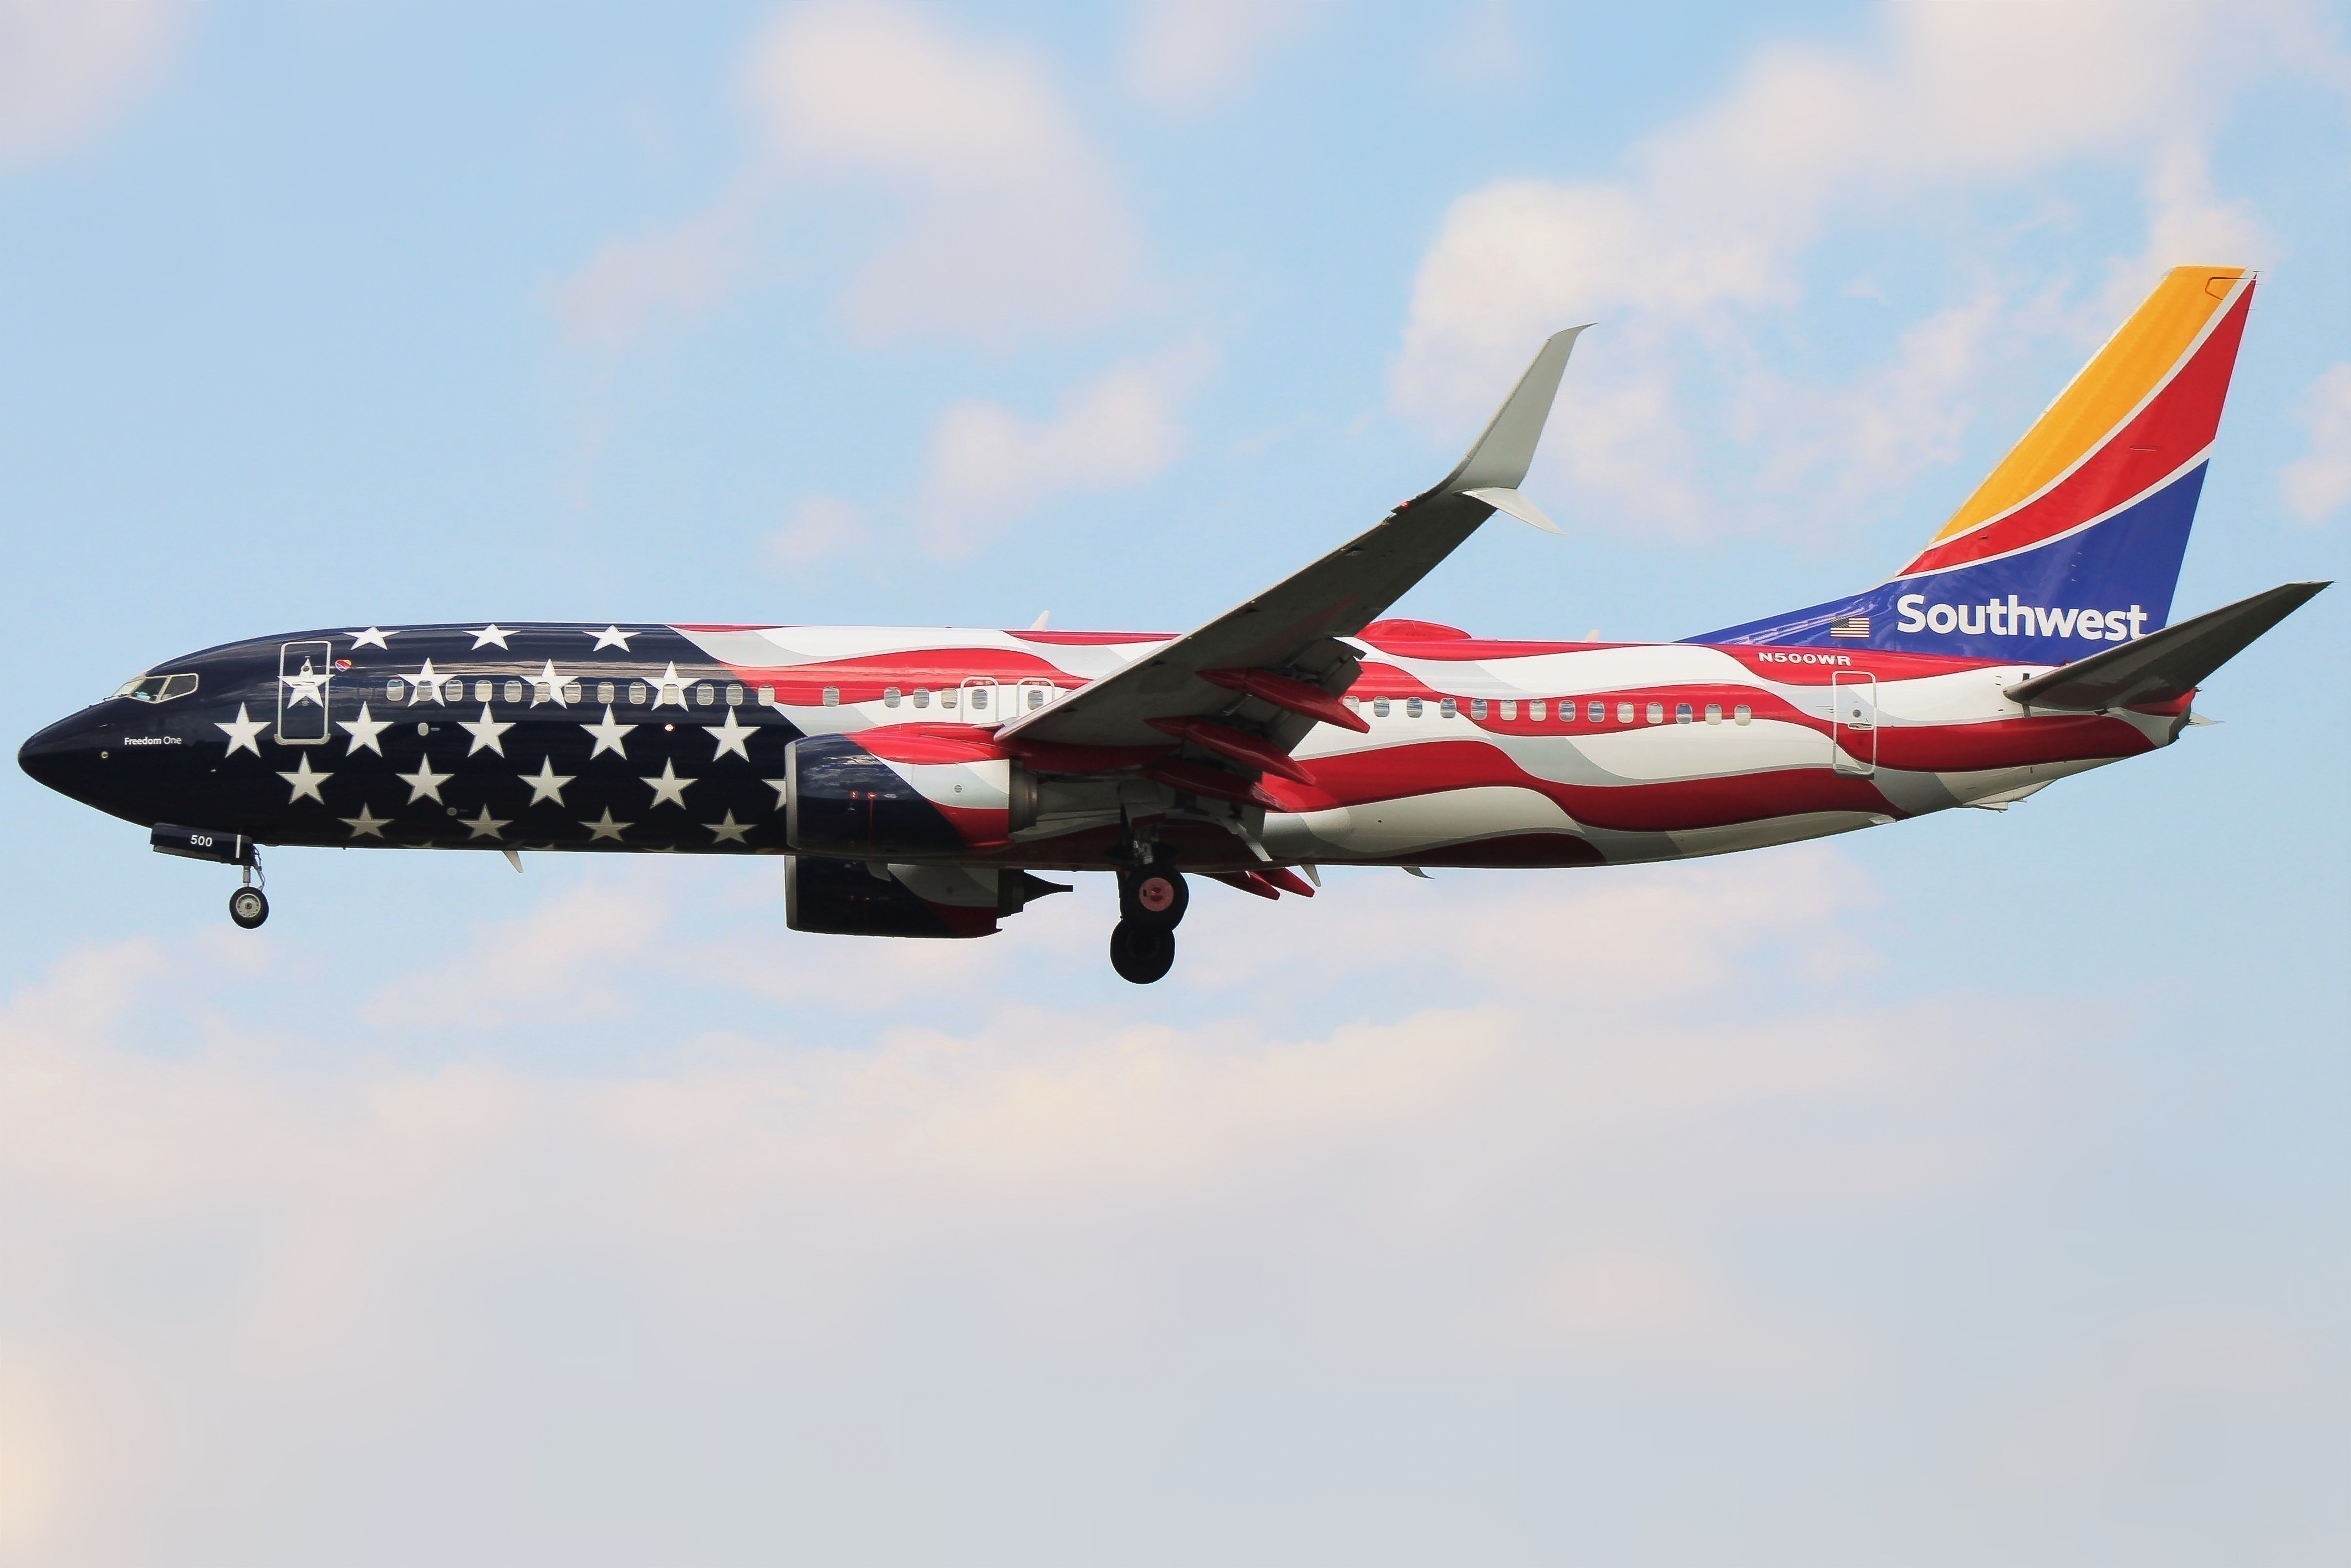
67,66
1717,211
672,276
2318,483
1013,221
1010,220
989,464
1591,1151
1183,53
820,526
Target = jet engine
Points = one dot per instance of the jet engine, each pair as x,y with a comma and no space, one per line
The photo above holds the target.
871,898
873,796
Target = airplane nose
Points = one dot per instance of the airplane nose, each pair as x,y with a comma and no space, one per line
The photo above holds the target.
63,755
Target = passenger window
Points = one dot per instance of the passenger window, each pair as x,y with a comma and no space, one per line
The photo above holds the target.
947,696
636,693
1036,696
1476,707
1510,709
572,690
1656,713
1536,709
1598,712
1714,712
766,697
1448,708
921,697
1681,713
604,692
733,694
514,691
1742,713
833,696
481,691
978,698
1354,705
1380,707
704,695
395,691
1412,707
889,696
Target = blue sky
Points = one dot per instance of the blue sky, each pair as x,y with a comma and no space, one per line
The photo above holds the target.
1968,1191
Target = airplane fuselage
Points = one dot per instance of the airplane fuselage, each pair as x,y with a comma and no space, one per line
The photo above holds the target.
656,737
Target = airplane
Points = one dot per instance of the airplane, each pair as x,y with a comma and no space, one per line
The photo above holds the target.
916,781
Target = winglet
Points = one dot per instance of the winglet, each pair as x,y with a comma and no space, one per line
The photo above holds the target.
1502,454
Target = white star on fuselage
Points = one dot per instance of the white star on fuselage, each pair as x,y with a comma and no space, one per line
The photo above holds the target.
243,733
730,831
606,828
484,826
669,786
547,784
304,688
491,635
783,788
547,686
371,638
423,784
426,682
366,825
607,735
613,637
485,732
730,736
305,782
670,686
364,731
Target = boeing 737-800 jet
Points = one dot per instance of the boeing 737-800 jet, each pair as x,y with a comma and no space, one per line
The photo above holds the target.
916,780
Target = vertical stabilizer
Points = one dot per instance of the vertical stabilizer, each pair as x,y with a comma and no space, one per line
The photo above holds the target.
2075,539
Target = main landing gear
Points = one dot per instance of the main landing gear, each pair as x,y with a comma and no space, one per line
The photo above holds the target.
1151,902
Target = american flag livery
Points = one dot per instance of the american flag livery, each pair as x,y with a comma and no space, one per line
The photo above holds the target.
928,781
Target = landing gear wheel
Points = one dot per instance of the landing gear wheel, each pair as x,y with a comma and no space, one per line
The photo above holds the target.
1141,951
1154,895
247,907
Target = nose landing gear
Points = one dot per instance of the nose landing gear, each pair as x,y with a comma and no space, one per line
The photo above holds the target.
248,905
1151,902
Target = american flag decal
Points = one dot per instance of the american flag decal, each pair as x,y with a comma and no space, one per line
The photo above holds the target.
1849,626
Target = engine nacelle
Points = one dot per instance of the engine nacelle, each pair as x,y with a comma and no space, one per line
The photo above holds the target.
902,796
863,898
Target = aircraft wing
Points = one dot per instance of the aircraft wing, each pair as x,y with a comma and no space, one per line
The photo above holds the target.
2165,665
1270,664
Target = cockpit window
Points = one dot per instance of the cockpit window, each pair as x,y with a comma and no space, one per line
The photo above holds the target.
156,688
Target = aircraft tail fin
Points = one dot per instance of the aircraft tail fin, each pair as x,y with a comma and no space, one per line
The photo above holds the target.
2076,537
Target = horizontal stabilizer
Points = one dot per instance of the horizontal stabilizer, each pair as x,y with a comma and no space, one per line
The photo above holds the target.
2165,666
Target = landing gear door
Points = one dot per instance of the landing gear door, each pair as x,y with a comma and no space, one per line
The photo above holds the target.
1853,723
303,671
